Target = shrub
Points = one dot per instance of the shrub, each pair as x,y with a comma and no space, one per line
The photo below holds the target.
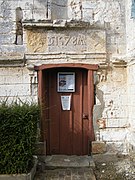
18,135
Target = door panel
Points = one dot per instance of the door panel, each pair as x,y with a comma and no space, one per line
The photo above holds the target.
68,131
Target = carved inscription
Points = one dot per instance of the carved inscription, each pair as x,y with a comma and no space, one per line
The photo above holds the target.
79,40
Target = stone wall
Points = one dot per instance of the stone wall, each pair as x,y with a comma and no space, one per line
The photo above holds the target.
18,83
111,110
130,30
131,105
89,31
130,39
106,14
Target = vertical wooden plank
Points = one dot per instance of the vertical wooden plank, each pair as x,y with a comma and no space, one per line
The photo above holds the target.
65,132
46,109
41,102
40,91
54,114
40,86
90,103
71,126
77,115
85,118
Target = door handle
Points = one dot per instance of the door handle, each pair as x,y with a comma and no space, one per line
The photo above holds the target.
85,116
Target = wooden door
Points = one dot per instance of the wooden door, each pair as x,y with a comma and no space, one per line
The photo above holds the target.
68,131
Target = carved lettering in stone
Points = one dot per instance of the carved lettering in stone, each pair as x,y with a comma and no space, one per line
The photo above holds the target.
67,40
40,41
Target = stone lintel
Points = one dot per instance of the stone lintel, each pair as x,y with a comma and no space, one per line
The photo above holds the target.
57,58
101,57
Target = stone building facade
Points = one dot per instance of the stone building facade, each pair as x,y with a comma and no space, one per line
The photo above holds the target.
96,32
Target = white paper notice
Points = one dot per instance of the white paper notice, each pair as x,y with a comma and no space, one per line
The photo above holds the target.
66,102
66,82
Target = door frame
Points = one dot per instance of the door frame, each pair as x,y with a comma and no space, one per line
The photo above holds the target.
41,90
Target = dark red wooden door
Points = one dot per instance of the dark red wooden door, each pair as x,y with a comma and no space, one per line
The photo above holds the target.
68,131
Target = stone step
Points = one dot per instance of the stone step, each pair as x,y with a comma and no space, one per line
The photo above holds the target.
64,161
83,173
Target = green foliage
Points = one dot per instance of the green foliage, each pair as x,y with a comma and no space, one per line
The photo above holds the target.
18,135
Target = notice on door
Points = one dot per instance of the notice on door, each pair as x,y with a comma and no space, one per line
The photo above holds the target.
66,103
66,82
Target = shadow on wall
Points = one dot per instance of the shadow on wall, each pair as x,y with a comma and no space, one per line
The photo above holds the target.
98,108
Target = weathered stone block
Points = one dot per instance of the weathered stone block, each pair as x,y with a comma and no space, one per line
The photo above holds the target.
6,27
98,147
89,4
27,14
7,39
113,134
13,50
59,12
40,4
15,90
117,122
117,147
39,14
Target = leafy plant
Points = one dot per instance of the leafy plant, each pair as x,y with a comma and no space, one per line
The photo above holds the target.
18,135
